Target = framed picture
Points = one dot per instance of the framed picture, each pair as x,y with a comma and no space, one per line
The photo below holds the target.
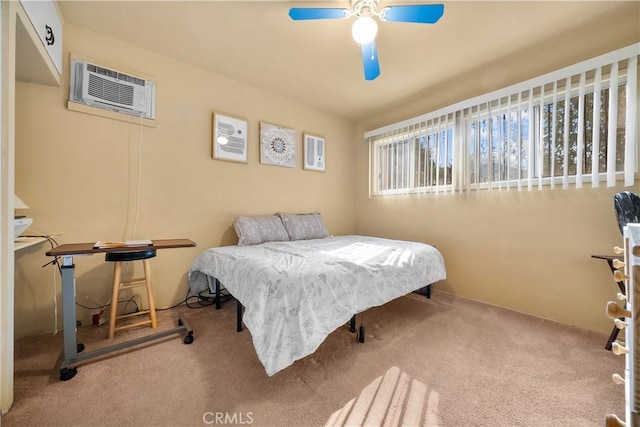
277,145
229,138
314,149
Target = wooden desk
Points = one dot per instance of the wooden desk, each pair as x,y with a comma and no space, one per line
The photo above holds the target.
67,271
609,259
87,248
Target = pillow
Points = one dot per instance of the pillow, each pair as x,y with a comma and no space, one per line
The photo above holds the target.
304,226
256,230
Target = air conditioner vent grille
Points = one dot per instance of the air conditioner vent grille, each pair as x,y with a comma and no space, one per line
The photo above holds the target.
110,91
115,75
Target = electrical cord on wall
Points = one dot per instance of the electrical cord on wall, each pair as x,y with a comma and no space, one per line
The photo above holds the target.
138,185
138,180
137,195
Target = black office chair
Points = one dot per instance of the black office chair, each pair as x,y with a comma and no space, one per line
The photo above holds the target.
627,207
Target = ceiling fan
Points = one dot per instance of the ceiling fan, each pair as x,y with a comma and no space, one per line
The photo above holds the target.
365,28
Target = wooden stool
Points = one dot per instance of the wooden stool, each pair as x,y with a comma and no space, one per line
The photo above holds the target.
119,258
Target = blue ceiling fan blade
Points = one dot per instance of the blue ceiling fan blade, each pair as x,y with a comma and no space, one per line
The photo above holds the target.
419,13
370,61
304,13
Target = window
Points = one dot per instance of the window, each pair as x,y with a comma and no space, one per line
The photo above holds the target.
572,126
414,160
556,159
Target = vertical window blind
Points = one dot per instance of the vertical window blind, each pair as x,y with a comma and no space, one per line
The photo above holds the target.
573,126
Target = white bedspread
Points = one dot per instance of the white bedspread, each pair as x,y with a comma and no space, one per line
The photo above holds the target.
297,293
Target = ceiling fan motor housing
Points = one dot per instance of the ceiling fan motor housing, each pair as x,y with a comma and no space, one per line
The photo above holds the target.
363,8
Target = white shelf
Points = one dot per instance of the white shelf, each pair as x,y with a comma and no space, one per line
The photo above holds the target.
25,242
35,62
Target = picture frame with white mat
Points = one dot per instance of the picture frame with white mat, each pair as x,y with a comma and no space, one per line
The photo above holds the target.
230,138
314,152
277,145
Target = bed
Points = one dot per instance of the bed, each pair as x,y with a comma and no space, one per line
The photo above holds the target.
295,293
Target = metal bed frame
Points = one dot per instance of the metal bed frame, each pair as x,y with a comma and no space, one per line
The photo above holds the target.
360,332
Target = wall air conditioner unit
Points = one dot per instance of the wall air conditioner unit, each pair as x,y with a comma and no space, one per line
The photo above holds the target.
102,87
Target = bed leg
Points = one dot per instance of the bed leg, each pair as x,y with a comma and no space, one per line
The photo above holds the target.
361,334
428,291
352,324
218,302
239,311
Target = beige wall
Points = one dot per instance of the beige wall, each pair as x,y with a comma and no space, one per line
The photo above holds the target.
526,251
529,251
78,173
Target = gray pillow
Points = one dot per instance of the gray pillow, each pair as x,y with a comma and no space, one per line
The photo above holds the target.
304,226
256,230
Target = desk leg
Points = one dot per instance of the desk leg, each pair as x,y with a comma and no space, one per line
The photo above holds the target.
68,321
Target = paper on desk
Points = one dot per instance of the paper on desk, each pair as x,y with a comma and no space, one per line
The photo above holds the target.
105,244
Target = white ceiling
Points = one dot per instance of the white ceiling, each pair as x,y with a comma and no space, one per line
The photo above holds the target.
317,62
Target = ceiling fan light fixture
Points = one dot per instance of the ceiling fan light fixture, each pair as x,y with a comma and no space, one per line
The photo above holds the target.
364,30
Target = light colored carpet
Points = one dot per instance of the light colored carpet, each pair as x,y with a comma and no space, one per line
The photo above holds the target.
390,400
466,364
